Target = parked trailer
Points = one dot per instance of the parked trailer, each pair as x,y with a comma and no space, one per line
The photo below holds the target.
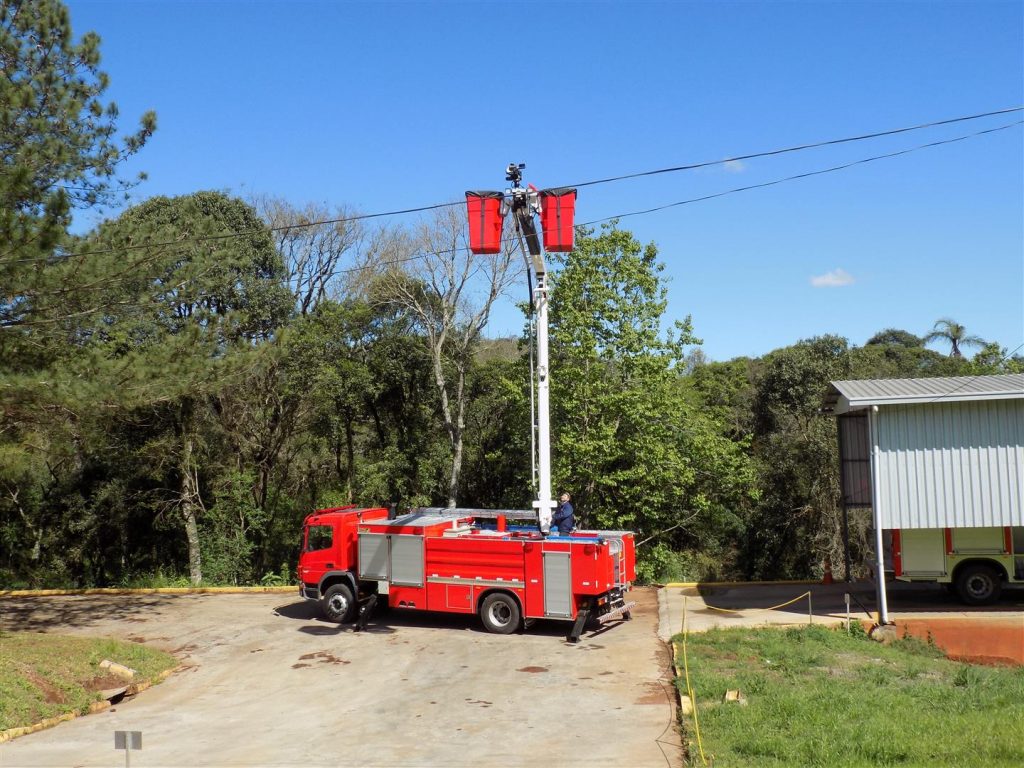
975,562
458,561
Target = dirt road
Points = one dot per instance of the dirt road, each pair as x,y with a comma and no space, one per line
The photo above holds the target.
266,683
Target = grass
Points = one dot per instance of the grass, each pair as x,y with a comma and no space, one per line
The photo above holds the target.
43,675
819,697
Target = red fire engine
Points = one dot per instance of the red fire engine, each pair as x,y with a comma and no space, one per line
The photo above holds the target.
463,561
469,560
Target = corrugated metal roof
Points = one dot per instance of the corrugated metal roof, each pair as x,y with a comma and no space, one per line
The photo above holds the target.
845,396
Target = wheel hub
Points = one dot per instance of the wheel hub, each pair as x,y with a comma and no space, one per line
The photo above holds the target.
501,614
338,604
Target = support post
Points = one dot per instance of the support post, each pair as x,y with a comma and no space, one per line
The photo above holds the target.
876,514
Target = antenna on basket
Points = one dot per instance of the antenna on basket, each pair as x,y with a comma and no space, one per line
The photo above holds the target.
486,215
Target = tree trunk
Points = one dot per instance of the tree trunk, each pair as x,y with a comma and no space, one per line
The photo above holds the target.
189,497
350,456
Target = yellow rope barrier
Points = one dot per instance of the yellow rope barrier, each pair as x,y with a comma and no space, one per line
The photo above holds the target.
770,608
689,689
686,661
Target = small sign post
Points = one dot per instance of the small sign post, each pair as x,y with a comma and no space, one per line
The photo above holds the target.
127,740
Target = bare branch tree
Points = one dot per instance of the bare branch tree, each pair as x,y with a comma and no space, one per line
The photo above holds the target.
313,253
450,292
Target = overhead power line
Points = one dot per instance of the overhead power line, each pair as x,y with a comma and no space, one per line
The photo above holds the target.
610,179
808,174
735,190
797,148
724,193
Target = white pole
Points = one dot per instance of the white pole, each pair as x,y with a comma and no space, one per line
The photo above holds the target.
545,504
883,606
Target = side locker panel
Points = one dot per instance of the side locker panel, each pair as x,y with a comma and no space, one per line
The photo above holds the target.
407,560
373,556
557,585
981,540
924,551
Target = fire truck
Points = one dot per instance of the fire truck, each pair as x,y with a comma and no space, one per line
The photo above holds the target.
472,561
464,561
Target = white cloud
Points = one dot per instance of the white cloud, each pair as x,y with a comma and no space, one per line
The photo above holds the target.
735,166
834,279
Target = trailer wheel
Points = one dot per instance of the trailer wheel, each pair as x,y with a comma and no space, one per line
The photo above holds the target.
338,604
978,584
500,613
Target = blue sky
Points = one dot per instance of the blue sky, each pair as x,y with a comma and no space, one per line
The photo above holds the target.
391,105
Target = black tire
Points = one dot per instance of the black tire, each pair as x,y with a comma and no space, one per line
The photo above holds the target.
627,615
500,613
978,584
338,604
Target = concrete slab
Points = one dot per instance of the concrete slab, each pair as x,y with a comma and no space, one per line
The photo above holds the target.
266,682
751,605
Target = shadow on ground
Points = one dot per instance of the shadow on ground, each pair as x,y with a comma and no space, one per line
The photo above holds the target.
389,620
42,614
827,599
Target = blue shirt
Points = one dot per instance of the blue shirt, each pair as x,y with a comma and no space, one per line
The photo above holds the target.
563,518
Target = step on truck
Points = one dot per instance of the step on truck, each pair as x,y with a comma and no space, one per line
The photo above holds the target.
464,561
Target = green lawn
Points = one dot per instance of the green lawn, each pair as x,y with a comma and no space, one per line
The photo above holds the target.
43,675
818,697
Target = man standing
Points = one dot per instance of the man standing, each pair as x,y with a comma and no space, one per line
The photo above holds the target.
563,520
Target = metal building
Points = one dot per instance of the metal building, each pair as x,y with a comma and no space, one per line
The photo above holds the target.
931,453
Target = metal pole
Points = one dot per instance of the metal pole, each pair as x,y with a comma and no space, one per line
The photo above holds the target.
810,608
876,512
128,753
846,498
846,542
545,504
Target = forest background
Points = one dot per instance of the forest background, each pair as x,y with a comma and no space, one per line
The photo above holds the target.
180,386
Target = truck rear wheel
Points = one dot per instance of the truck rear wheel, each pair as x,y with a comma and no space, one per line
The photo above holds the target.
500,613
338,603
978,584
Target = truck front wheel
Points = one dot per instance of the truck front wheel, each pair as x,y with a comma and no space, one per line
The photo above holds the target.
338,603
978,585
500,613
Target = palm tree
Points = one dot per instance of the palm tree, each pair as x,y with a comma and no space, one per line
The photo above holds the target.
949,330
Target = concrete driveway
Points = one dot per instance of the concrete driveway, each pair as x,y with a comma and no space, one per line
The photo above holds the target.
267,683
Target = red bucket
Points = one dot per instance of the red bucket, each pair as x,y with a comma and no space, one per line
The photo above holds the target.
557,208
485,221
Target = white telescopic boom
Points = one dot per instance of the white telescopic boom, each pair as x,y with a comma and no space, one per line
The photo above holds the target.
545,504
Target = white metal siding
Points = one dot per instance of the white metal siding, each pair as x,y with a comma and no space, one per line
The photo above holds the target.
950,464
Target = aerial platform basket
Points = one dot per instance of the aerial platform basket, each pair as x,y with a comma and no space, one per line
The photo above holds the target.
485,221
558,208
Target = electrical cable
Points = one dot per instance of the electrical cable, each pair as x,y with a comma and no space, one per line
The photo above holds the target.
673,169
797,148
747,188
735,190
808,174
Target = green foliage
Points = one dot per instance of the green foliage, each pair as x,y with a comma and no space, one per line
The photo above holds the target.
955,334
58,149
180,387
629,444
